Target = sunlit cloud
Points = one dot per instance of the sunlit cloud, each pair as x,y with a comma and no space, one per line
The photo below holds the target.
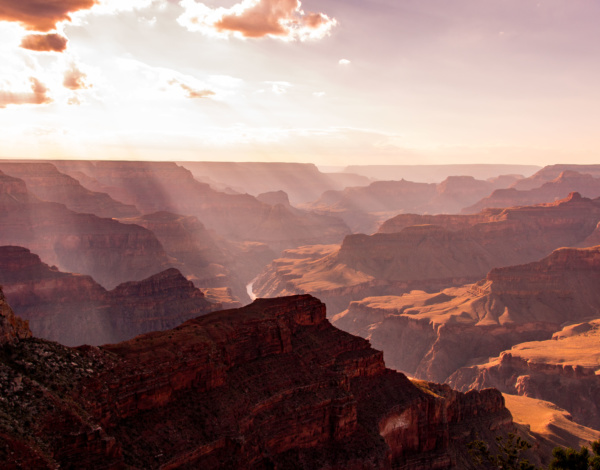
37,95
191,92
43,16
283,19
44,42
75,79
344,62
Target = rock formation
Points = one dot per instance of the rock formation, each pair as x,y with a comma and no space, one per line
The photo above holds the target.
74,309
12,328
46,182
430,257
564,370
431,336
567,182
364,208
303,182
109,251
272,385
164,186
551,172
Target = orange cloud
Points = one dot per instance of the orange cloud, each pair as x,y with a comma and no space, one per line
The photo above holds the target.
36,15
75,79
38,95
44,42
256,19
191,92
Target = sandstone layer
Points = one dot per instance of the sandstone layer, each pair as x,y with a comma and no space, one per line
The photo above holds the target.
564,370
272,385
109,251
551,172
431,336
455,251
74,309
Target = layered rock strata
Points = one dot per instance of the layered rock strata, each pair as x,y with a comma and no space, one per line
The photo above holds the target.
430,257
433,335
74,309
272,385
109,251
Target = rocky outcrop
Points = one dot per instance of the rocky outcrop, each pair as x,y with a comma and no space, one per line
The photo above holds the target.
271,385
551,172
46,182
365,208
12,328
303,182
563,370
74,309
165,186
431,257
431,336
109,251
567,182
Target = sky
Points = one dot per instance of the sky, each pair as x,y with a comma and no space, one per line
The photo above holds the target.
333,82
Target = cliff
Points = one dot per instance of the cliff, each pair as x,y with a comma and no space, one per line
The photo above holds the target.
74,309
271,385
433,335
166,186
551,172
461,250
365,208
564,370
12,328
109,251
303,182
565,183
46,182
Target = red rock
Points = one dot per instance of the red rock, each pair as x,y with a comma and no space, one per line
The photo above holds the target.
109,251
431,257
74,309
271,385
431,336
12,328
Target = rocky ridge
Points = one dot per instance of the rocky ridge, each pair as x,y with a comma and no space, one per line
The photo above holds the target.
74,309
272,385
455,251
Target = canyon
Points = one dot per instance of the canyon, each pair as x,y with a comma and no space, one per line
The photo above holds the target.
74,309
429,252
271,385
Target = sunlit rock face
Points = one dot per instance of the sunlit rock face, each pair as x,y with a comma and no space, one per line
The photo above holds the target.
109,251
564,370
446,251
153,187
562,185
302,182
47,183
431,336
271,385
12,327
74,309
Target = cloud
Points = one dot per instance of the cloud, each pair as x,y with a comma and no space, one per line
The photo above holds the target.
280,88
344,62
75,79
38,95
43,16
283,19
192,92
45,42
